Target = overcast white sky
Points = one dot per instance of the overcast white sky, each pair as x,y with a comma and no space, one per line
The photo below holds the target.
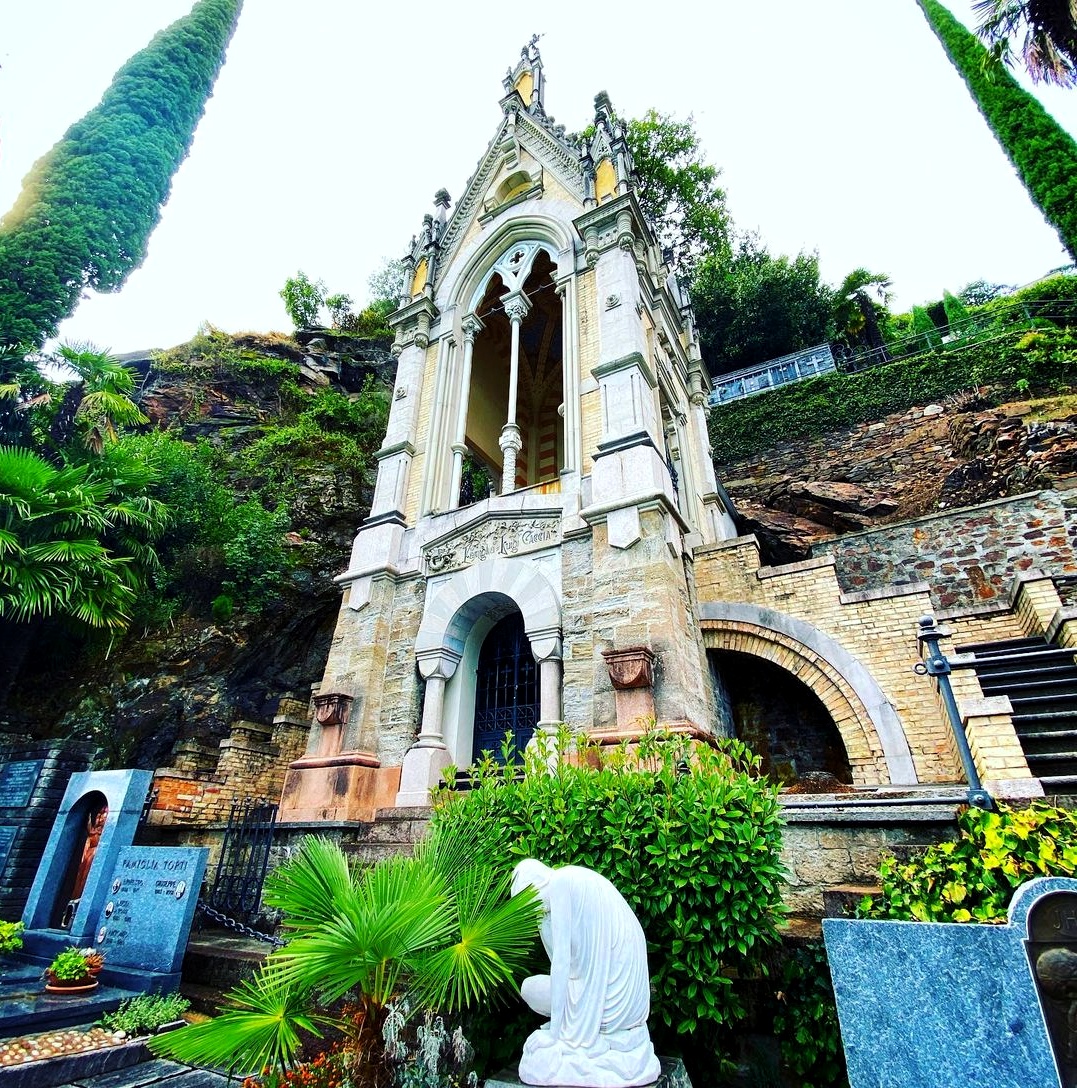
839,127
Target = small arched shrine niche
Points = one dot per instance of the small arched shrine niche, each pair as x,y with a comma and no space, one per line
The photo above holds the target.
780,718
540,387
86,822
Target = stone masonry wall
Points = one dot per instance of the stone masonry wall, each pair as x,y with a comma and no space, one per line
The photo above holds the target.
967,556
878,629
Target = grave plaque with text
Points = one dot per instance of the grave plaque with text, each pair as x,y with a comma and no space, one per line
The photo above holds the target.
17,782
151,901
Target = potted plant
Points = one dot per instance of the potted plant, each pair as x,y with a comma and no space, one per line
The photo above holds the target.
69,973
10,937
95,960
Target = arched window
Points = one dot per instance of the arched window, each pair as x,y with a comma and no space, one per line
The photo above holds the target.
526,435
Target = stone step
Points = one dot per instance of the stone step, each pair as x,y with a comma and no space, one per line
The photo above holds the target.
1004,646
842,900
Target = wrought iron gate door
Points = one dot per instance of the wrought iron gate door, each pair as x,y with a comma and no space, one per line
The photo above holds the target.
241,869
506,690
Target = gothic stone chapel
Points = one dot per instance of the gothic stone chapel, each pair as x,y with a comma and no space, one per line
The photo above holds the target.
548,542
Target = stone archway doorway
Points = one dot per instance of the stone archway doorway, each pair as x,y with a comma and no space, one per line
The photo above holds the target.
780,718
507,697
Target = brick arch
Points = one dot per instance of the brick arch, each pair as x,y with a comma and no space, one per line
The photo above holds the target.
874,739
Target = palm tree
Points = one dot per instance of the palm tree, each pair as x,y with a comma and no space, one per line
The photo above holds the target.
856,311
96,403
75,540
1049,29
438,927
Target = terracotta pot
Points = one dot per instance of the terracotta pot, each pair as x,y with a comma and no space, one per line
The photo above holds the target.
82,986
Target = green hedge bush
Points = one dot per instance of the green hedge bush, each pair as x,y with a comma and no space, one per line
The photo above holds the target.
691,838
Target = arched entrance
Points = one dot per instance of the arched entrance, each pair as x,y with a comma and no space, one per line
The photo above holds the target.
780,718
461,612
506,692
870,728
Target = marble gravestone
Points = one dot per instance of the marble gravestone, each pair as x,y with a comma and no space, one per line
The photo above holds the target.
94,888
146,918
924,1004
99,814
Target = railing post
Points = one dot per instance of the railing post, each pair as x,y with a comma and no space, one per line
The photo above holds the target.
936,664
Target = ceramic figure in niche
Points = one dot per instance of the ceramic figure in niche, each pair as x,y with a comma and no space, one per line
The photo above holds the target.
597,994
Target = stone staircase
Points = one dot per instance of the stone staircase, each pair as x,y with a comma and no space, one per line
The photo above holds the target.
393,831
1040,680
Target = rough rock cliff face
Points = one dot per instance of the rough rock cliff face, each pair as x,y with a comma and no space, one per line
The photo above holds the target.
932,457
194,677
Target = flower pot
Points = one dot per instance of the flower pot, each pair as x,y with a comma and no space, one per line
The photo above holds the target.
82,986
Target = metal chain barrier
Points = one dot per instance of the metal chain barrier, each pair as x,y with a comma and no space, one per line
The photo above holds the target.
238,927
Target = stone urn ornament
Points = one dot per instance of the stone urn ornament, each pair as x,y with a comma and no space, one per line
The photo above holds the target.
597,994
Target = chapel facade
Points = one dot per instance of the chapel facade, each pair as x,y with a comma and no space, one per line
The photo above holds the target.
544,477
548,543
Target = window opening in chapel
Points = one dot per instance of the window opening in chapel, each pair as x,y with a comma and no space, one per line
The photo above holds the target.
540,388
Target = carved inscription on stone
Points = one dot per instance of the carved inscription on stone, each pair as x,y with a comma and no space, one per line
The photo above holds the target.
491,540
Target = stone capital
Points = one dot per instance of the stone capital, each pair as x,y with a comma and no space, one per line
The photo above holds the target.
471,326
517,306
439,662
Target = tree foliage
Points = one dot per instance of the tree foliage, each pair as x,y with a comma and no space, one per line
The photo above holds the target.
1042,152
304,298
88,207
75,539
751,307
1045,29
678,189
859,307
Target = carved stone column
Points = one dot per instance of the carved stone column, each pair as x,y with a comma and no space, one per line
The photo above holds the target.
516,309
427,757
471,328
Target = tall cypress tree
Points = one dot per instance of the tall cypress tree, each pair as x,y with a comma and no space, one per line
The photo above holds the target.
88,206
1042,152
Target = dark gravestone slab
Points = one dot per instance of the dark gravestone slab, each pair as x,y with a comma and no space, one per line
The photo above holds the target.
32,817
150,905
1052,954
7,839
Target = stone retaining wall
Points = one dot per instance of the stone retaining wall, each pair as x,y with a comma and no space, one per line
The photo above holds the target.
968,557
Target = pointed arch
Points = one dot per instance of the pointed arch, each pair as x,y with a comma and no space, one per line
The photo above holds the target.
868,724
471,269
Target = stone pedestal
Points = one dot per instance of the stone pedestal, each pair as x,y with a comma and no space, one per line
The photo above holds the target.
348,786
420,773
673,1075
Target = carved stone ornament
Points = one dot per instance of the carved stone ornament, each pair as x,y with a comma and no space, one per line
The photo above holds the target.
630,668
332,708
492,539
